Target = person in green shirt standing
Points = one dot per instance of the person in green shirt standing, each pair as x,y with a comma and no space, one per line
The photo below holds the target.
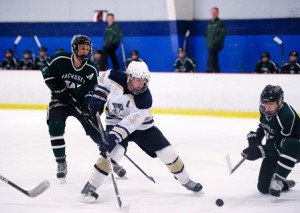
112,38
214,39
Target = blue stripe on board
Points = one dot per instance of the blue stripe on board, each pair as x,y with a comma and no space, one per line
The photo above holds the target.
159,28
287,26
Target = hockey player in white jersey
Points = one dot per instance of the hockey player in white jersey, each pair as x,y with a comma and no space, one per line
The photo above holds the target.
128,118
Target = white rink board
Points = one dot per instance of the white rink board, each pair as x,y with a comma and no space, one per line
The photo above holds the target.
233,92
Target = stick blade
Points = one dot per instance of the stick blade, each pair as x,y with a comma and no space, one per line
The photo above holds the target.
43,186
125,207
229,165
18,39
277,40
152,179
187,33
37,41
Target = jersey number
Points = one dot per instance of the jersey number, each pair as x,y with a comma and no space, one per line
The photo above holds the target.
72,85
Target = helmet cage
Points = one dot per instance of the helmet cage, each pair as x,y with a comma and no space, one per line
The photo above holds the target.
134,90
137,70
79,40
268,95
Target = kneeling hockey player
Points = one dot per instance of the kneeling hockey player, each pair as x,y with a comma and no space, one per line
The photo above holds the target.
279,123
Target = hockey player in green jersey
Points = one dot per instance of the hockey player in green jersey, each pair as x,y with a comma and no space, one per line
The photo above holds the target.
71,77
293,65
279,124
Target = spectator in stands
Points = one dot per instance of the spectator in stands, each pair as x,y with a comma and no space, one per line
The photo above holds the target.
183,63
265,64
112,39
9,62
214,39
97,56
41,61
293,65
134,56
26,63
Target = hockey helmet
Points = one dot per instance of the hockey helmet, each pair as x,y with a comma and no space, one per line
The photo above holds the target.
27,52
9,51
294,53
78,40
43,49
138,69
271,94
134,52
265,54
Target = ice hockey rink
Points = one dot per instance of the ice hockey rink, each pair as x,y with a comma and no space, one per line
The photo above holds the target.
202,143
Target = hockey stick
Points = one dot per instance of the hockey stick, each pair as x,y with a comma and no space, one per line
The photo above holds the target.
149,177
121,205
123,52
229,165
37,41
103,138
187,34
109,160
100,129
16,42
280,43
39,189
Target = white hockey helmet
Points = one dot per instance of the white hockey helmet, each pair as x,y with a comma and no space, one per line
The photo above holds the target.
138,69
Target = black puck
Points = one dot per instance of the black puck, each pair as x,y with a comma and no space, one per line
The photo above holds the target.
219,202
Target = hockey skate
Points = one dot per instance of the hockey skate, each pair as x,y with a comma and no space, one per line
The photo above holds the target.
193,186
276,186
88,193
119,170
62,170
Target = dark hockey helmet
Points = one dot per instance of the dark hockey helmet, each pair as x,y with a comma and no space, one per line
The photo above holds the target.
265,54
43,49
27,52
294,53
78,40
9,51
134,52
271,94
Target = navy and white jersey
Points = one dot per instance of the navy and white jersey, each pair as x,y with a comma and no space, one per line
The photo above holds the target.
125,111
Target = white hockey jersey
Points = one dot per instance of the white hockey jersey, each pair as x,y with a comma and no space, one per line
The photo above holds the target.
125,111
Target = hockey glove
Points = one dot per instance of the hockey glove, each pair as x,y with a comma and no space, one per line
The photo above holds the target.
254,152
254,138
62,97
97,102
109,144
86,118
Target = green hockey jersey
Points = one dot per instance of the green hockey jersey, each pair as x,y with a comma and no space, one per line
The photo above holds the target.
61,74
285,124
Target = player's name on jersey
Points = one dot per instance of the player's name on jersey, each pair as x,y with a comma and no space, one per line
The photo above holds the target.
74,77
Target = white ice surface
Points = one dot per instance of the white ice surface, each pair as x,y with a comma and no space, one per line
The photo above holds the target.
202,142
